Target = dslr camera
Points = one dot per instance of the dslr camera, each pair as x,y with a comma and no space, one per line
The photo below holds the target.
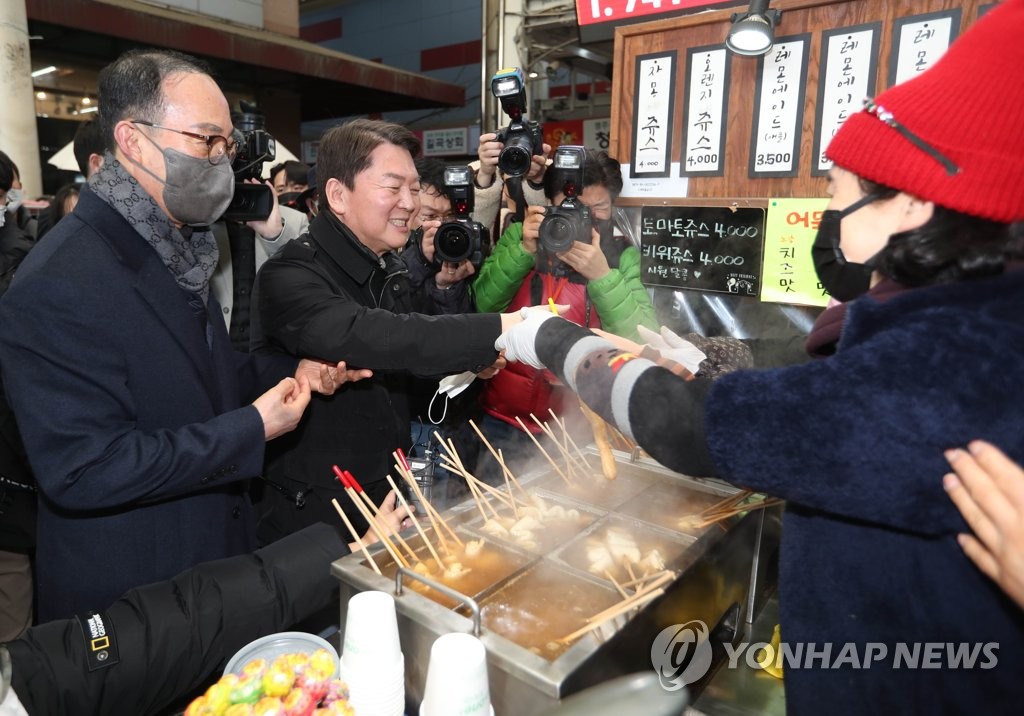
571,220
460,238
251,202
522,138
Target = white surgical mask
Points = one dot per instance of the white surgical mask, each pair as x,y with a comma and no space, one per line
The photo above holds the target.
14,199
449,386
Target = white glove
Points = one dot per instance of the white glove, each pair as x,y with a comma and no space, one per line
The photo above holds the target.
673,348
520,341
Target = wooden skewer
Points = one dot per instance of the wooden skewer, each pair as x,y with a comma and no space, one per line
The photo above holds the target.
497,456
358,502
612,613
453,456
618,587
376,513
416,523
508,486
479,495
641,596
569,458
659,582
629,568
506,499
739,509
647,578
355,535
493,491
432,514
476,495
511,476
726,504
565,430
543,451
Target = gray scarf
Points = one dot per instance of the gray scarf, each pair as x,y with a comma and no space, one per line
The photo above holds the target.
190,257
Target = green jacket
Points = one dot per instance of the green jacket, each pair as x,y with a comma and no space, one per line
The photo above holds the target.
619,297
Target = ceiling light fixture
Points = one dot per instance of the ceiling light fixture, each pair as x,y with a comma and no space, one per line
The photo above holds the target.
44,71
753,32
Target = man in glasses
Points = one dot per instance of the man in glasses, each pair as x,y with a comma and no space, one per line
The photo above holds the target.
140,422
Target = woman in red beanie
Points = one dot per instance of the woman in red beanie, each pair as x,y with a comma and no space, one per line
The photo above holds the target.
881,612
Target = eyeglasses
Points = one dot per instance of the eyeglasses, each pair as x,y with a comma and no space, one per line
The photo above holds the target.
887,117
217,147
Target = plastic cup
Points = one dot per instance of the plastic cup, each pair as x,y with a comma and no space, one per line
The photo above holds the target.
376,691
371,632
457,678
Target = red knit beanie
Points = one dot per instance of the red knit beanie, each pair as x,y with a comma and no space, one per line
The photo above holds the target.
968,108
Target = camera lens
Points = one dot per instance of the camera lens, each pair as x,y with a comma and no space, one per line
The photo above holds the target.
514,159
557,232
453,243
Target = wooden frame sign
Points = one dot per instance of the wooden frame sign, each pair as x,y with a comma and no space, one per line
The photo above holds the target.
652,115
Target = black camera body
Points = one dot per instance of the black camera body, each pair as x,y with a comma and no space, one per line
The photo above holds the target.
571,220
251,202
460,238
522,138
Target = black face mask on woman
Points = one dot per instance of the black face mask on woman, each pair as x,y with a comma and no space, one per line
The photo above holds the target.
844,280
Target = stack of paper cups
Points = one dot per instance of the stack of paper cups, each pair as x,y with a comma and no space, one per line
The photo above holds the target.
371,657
457,678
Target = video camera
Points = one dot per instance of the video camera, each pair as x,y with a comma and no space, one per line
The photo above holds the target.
251,202
460,238
522,138
571,220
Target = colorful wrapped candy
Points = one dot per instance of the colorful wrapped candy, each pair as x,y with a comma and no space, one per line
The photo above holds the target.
290,685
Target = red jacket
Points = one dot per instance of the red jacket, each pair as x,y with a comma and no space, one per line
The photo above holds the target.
518,389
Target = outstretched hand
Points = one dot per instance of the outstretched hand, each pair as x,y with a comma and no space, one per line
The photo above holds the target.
988,489
393,517
325,378
518,339
673,348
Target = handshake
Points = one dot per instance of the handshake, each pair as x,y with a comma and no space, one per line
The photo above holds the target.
518,340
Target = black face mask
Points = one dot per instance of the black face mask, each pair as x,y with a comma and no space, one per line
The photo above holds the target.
291,200
843,279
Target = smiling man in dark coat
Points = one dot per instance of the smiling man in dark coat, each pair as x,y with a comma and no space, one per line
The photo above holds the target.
341,290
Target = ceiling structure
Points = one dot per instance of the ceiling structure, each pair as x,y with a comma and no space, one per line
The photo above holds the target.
549,34
87,34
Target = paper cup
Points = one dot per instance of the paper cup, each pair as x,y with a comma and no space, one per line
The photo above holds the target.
376,691
371,631
457,678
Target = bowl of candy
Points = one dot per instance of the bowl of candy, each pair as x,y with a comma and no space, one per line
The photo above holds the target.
285,674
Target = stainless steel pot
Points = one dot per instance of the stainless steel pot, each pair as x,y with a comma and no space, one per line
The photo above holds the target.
721,572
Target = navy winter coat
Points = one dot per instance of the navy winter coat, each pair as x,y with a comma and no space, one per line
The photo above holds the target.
140,435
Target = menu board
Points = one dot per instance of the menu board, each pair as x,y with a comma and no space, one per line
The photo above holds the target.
702,247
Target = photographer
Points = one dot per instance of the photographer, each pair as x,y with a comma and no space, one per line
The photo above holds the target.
444,281
514,152
489,183
254,227
598,278
244,247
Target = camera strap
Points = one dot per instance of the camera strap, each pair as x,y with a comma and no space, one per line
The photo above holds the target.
515,192
541,282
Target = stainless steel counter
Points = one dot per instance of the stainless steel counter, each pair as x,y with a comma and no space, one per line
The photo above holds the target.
744,691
